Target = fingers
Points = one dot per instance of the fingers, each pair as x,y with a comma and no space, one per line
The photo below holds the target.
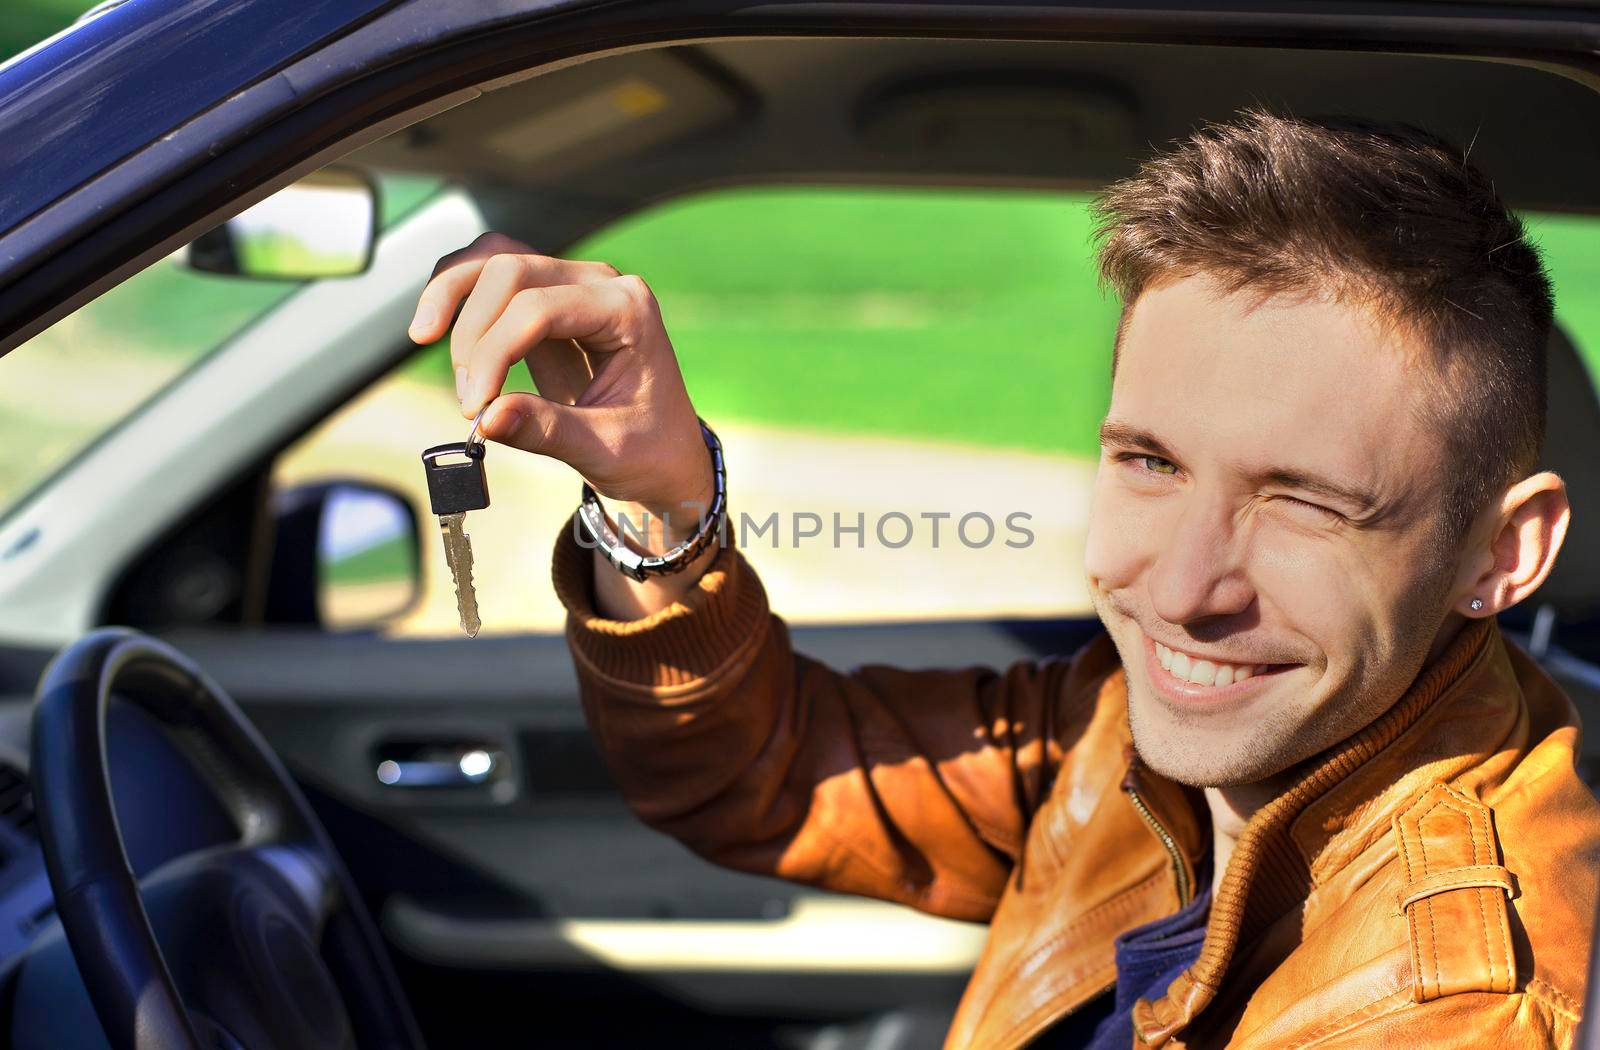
561,370
537,424
502,276
453,277
499,278
598,314
485,274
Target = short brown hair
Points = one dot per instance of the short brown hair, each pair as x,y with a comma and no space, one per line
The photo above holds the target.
1389,215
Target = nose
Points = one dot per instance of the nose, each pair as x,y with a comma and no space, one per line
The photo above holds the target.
1198,573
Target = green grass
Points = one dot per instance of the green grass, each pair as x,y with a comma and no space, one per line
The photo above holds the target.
393,559
970,316
1571,247
962,316
26,22
170,310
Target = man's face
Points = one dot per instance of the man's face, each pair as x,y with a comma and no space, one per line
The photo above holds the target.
1265,516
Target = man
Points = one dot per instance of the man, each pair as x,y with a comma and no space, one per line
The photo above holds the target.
1302,792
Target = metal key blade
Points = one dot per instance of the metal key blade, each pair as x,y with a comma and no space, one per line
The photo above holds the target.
458,555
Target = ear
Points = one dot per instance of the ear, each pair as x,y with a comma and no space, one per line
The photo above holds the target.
1523,543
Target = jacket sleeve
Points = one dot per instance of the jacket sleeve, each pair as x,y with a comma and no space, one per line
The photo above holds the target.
911,786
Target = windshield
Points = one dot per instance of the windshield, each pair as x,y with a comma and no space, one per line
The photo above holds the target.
94,369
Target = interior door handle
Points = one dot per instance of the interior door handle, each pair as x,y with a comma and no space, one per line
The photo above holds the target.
451,766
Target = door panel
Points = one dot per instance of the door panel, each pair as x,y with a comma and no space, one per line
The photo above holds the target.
542,871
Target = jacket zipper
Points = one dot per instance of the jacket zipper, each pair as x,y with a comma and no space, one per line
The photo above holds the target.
1181,873
1184,892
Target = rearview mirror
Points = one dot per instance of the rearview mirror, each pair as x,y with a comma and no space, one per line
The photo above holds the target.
325,225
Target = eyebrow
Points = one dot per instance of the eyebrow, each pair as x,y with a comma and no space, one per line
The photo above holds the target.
1116,434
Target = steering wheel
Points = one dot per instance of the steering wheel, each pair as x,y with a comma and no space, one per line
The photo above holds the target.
268,942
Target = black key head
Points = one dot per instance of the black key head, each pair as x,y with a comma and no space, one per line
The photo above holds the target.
456,481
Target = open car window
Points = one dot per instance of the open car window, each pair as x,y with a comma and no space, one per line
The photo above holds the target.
910,432
908,384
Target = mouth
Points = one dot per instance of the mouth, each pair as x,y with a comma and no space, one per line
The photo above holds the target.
1187,678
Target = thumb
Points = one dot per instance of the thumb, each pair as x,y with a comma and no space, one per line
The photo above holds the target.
549,428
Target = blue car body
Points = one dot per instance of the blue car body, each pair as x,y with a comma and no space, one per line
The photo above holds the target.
90,96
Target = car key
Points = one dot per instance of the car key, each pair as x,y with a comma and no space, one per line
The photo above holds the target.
457,484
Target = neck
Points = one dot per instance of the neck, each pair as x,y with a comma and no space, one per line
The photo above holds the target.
1231,809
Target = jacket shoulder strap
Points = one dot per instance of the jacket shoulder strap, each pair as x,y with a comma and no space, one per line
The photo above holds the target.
1454,897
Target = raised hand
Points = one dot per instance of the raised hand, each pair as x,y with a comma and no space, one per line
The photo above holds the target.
611,401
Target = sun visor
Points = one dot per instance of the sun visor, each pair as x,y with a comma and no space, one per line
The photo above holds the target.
541,129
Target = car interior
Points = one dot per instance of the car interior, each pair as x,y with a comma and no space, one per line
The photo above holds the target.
522,893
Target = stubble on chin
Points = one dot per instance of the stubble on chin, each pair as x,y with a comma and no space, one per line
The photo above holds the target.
1180,752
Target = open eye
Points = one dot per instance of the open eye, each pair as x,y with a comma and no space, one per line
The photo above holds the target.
1156,465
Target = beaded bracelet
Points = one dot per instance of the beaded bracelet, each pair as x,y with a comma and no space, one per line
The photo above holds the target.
630,562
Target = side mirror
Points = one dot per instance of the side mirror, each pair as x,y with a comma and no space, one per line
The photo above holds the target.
325,225
346,556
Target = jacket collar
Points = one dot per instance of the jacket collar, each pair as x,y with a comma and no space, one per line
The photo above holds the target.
1280,853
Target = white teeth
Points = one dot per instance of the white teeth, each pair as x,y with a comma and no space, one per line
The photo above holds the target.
1180,665
1203,672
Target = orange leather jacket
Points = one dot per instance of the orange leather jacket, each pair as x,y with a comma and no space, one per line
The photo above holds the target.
1429,882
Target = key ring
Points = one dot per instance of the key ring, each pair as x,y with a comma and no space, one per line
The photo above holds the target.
475,438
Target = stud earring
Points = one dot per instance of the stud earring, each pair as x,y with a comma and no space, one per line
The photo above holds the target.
1476,604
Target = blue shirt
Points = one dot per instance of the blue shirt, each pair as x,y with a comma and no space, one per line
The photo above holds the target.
1149,958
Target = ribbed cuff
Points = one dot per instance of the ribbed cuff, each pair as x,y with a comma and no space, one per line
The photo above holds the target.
694,638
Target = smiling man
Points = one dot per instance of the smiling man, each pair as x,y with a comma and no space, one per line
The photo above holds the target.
1274,574
1302,792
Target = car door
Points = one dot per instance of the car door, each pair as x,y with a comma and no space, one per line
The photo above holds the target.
532,885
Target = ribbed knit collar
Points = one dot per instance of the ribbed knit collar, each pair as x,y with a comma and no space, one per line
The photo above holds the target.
1269,875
